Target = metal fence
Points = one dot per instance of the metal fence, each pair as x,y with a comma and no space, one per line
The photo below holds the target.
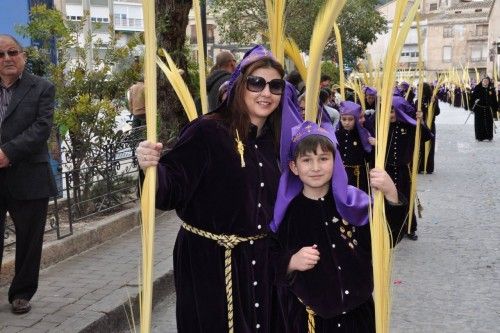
90,192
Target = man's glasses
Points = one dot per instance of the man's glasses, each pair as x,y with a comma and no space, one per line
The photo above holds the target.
10,53
257,84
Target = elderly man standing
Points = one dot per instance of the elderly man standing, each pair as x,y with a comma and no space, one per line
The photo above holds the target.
26,181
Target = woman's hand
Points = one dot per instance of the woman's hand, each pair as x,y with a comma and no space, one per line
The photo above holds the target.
305,259
381,181
372,140
148,154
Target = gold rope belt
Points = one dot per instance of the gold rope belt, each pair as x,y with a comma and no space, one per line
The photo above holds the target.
228,242
311,322
356,172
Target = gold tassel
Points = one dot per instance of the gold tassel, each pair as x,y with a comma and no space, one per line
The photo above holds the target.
241,148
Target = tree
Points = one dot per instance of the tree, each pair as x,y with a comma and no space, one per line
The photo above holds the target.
89,94
172,18
359,23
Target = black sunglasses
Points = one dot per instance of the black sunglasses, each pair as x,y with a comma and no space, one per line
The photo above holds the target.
257,84
10,53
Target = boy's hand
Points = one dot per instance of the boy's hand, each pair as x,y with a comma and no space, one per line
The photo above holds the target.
381,181
305,259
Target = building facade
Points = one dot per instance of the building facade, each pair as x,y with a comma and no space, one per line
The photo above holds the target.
494,40
454,34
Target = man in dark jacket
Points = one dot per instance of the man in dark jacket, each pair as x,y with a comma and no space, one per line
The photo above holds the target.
225,64
26,181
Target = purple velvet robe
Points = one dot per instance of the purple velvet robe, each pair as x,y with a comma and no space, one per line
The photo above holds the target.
352,154
339,288
203,180
399,157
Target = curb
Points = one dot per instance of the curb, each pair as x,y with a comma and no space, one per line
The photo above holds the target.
59,250
112,313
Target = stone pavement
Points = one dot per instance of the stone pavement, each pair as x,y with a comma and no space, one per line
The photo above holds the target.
86,293
449,280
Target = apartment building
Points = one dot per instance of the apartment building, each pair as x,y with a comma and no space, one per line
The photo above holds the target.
454,33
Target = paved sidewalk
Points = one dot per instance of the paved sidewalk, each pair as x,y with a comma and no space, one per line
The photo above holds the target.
86,293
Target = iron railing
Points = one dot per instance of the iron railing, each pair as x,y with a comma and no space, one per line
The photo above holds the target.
92,191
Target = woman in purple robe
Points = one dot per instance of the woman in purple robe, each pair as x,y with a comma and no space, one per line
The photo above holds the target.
221,178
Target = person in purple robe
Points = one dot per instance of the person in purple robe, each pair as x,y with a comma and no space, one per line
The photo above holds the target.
426,101
457,97
221,178
318,215
370,99
401,140
354,144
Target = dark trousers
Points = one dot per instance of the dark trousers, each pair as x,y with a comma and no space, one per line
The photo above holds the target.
29,217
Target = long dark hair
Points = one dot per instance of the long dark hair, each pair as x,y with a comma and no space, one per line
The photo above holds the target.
235,112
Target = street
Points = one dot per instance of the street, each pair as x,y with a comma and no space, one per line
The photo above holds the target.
448,280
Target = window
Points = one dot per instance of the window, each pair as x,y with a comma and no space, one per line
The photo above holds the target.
410,50
192,36
446,53
210,33
448,31
479,52
433,6
482,30
458,12
74,18
120,19
478,10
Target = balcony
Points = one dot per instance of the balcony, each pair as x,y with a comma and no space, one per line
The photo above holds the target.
477,35
129,24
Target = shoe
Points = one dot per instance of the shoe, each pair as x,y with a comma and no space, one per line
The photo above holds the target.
20,306
413,236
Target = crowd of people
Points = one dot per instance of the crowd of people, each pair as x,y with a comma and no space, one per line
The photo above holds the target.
275,234
275,209
481,99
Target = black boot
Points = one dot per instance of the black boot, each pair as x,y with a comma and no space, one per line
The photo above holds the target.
412,235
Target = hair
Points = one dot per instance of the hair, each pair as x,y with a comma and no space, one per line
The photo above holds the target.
235,112
221,60
14,40
426,92
324,94
325,77
294,78
310,144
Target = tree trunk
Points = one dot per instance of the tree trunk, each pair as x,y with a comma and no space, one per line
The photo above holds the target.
171,23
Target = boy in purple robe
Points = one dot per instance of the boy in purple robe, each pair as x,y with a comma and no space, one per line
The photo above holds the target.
400,152
317,215
354,144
